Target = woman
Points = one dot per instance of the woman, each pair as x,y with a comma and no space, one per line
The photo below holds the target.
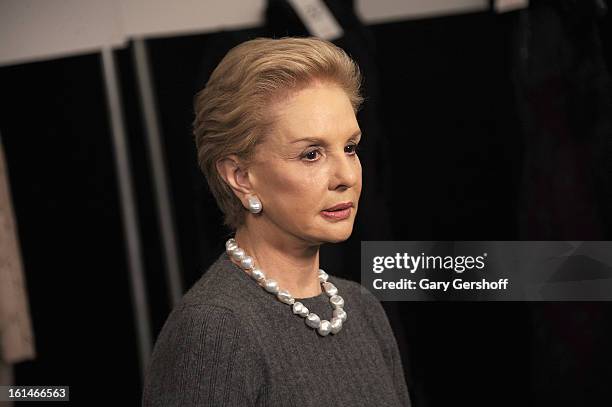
277,136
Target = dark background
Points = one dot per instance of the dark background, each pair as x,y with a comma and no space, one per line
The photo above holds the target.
477,127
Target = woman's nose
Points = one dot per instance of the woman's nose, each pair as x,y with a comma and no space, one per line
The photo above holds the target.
345,172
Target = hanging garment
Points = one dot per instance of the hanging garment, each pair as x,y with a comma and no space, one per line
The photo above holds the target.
16,336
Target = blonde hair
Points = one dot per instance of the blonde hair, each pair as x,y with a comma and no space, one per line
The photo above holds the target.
231,115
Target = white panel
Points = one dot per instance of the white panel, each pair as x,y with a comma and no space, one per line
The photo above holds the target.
502,6
164,17
381,11
33,30
153,18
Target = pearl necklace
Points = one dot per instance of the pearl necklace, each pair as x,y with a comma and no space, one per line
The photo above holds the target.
323,327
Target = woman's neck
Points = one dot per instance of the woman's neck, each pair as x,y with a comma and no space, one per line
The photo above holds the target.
294,265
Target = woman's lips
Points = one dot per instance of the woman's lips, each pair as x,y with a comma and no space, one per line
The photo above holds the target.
337,215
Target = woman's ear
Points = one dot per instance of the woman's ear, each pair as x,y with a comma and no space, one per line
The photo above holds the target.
232,171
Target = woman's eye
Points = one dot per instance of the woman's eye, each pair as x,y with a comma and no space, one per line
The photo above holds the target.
311,155
353,148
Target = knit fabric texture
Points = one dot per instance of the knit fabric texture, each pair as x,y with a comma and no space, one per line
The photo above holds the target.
231,343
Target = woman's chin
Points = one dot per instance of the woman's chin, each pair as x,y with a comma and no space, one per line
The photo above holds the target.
338,233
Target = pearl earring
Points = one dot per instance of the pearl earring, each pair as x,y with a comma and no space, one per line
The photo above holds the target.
254,204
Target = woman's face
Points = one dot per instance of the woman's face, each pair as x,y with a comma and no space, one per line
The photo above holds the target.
308,163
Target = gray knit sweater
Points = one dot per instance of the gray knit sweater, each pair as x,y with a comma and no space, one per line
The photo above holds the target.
231,343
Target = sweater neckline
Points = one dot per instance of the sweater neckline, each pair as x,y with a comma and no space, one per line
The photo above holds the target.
242,275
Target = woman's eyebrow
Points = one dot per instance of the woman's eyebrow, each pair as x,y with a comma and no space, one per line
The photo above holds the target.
321,141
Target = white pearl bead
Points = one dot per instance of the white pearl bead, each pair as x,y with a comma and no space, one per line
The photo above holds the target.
285,297
300,309
271,286
336,325
339,313
324,328
238,254
247,262
230,242
323,276
330,289
313,320
231,247
258,275
297,307
337,301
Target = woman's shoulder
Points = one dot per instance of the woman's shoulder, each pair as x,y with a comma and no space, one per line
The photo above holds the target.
214,300
210,332
186,318
219,287
198,349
